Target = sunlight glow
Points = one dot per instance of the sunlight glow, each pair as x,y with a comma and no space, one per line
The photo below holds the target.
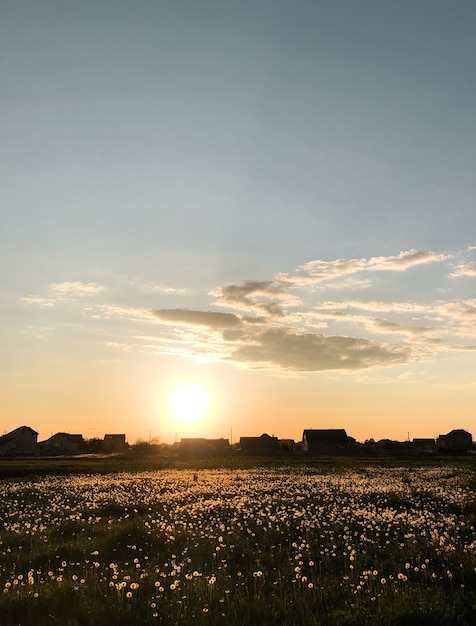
188,403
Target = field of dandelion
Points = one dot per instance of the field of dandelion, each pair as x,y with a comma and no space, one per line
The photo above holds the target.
260,545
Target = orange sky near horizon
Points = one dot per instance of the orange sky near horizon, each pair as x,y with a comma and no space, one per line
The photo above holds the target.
115,398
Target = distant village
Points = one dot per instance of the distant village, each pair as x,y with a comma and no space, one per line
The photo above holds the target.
23,441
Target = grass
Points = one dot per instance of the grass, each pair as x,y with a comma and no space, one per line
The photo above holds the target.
17,467
131,541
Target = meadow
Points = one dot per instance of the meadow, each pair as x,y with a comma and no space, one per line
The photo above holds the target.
284,544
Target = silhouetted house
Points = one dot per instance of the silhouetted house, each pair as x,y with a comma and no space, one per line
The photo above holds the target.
327,441
200,446
21,441
424,445
265,444
114,443
458,440
392,446
62,443
287,445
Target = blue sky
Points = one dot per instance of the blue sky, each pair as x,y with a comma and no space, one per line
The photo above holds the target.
290,165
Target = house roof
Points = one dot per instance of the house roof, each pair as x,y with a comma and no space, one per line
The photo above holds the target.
202,441
264,441
457,432
21,429
325,435
69,437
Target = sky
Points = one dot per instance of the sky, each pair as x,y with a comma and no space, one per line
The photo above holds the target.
273,200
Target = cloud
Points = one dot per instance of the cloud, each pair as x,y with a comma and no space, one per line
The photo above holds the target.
278,346
167,290
404,260
75,288
42,301
319,271
281,330
110,311
463,311
263,297
464,269
373,305
63,291
264,323
211,319
312,353
413,331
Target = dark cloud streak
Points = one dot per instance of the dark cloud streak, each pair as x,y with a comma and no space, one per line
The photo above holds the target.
212,319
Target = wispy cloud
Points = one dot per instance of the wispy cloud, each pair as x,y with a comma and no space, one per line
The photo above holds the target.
464,269
376,305
319,271
167,290
63,291
415,332
111,311
75,288
40,300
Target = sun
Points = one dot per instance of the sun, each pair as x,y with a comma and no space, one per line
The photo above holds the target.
188,403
